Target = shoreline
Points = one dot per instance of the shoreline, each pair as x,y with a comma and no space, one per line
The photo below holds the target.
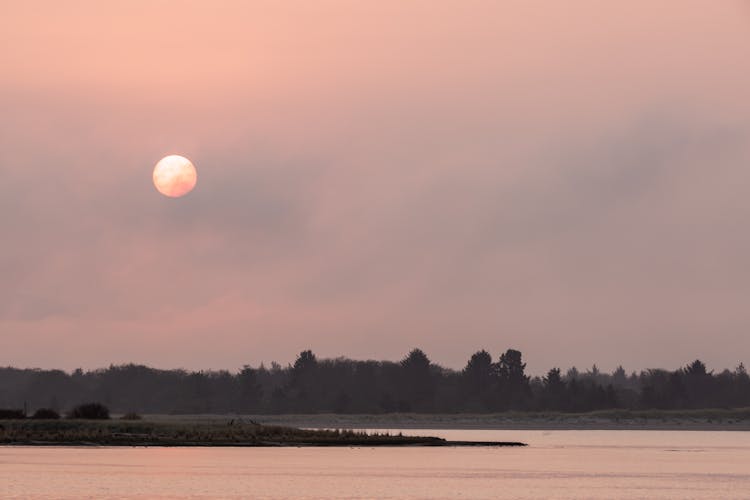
441,444
214,433
697,420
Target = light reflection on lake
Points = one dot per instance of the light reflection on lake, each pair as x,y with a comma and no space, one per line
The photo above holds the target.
556,464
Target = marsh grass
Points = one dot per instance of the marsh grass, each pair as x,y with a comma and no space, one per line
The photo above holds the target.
698,419
708,415
145,433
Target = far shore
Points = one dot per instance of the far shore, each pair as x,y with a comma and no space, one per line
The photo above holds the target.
698,420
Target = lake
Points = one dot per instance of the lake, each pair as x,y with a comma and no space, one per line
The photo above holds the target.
556,464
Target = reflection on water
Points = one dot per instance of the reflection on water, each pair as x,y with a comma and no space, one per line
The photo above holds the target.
559,464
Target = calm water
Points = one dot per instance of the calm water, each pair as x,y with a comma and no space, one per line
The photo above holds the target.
557,464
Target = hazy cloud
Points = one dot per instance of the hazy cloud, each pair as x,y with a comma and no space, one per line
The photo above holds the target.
571,182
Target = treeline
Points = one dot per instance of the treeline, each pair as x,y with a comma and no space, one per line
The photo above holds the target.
341,385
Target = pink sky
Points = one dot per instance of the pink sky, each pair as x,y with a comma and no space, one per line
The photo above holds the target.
570,179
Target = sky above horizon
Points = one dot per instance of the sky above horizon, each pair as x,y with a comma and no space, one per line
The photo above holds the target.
567,179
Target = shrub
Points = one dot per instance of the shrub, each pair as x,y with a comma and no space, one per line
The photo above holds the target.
90,411
130,416
11,414
46,414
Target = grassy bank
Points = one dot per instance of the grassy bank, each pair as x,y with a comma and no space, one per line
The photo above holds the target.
705,419
213,432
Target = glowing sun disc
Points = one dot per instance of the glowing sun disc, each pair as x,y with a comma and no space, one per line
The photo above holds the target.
174,176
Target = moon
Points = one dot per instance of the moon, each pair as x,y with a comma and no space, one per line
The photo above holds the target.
174,176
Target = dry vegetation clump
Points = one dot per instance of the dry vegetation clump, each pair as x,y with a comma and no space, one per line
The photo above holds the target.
45,414
11,414
90,411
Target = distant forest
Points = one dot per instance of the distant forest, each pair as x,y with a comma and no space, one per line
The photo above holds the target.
415,384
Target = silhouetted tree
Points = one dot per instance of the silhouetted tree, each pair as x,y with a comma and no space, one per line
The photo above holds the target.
619,377
553,392
305,363
417,388
514,384
553,381
479,372
698,385
479,380
303,382
250,392
696,369
572,373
